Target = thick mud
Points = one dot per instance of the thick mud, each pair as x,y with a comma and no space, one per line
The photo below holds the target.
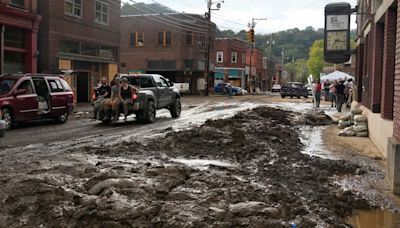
245,171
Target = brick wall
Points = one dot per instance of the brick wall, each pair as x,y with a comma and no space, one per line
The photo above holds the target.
388,64
377,54
396,114
366,99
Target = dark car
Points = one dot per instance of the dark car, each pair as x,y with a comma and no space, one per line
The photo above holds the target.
153,92
34,96
294,89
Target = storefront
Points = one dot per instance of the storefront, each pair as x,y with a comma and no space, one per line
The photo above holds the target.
18,41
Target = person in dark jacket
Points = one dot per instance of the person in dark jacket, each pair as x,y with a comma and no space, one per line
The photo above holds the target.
340,96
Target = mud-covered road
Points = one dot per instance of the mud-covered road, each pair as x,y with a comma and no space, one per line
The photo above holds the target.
222,164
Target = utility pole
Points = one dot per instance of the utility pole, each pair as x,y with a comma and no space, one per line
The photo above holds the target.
283,60
208,17
251,26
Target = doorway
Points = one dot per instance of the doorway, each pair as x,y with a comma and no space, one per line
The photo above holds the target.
82,88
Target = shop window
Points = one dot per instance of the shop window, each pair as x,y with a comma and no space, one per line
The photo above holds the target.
73,8
69,46
14,37
102,12
220,57
89,49
165,38
188,64
234,57
189,38
108,52
18,3
14,62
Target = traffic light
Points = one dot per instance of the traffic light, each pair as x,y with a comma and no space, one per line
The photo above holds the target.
250,36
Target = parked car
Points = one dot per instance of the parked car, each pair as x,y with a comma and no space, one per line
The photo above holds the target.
183,88
294,89
34,96
154,92
220,88
2,126
276,88
309,89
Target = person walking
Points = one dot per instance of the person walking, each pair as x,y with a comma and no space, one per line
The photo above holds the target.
340,96
228,88
332,93
327,84
317,89
125,95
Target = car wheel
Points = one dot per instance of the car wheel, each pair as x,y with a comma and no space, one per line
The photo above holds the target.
176,108
298,97
61,118
306,97
8,118
150,113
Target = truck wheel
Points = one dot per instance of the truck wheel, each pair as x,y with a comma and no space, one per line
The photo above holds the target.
176,108
298,97
150,114
8,118
61,118
305,97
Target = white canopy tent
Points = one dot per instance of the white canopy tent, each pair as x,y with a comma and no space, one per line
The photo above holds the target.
337,75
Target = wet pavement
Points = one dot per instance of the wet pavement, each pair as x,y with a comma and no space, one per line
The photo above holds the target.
224,163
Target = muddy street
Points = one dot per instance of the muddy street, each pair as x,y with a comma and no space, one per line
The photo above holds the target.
222,164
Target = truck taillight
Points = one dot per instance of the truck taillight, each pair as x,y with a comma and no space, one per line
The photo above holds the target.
134,94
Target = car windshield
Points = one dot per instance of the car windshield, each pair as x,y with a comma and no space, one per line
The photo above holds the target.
6,85
143,82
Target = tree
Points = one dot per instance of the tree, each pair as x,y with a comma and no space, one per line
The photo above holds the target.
316,61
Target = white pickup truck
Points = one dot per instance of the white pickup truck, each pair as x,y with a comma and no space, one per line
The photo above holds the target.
182,87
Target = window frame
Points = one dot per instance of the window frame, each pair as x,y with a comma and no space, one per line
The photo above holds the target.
164,39
18,5
222,57
32,91
234,54
137,38
73,9
102,3
189,33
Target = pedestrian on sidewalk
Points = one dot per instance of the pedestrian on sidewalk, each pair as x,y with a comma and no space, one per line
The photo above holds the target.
327,84
340,96
317,89
228,88
332,93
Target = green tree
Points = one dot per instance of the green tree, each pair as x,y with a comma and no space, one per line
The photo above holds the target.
316,61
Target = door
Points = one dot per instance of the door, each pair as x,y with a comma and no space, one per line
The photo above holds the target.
26,104
59,98
169,92
82,89
162,90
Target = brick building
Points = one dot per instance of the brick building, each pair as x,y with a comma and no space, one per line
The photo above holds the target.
378,77
230,61
19,24
257,80
82,36
173,45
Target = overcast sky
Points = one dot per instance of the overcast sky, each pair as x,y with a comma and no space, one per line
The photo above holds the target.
280,14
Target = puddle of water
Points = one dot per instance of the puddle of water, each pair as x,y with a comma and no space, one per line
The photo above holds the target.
311,137
202,164
374,219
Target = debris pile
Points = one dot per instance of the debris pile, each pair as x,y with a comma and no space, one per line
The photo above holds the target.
354,124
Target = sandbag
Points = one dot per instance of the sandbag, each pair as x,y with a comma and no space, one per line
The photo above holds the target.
360,124
346,117
360,118
356,111
343,124
362,134
360,128
347,133
351,128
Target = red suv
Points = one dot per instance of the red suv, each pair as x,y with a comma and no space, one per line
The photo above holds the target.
32,97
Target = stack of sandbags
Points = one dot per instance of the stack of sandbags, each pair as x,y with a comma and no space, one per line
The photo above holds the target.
354,124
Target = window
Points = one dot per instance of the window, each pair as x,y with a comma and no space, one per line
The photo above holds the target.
101,12
65,85
108,52
89,49
136,39
27,85
6,85
189,38
55,86
220,57
164,82
14,62
165,38
14,37
234,57
73,8
188,64
18,3
69,46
